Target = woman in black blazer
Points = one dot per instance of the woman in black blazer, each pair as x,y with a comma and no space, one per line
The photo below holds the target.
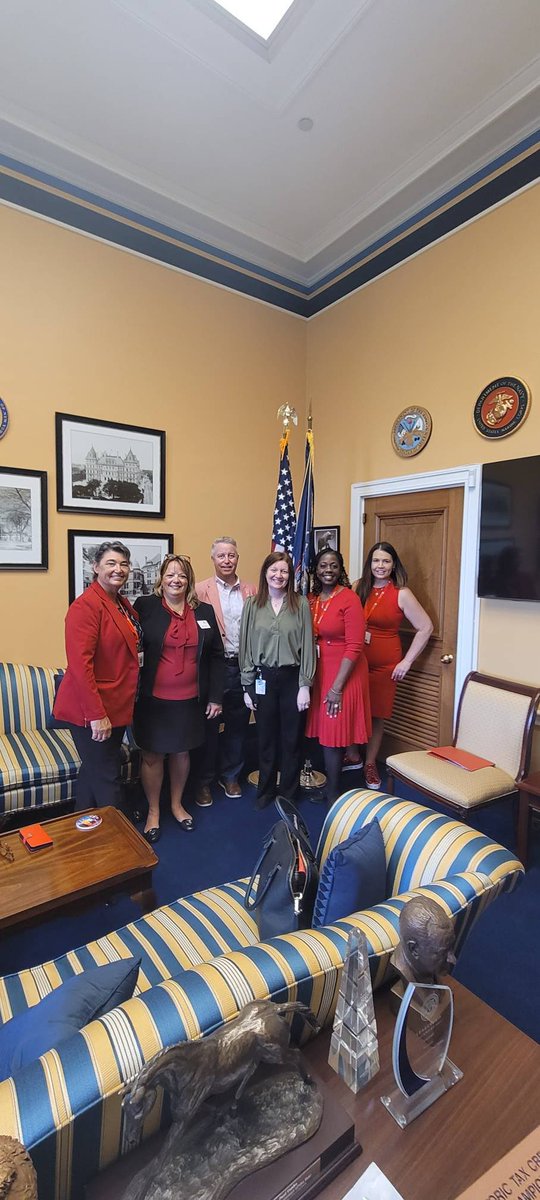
181,684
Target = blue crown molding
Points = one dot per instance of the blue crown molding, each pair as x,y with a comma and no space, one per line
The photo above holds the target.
33,190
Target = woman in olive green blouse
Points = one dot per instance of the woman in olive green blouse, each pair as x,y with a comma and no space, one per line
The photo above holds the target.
277,664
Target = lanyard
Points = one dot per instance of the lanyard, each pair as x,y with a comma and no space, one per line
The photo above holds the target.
320,609
380,592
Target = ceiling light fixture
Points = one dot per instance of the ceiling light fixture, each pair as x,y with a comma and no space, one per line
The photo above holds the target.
305,124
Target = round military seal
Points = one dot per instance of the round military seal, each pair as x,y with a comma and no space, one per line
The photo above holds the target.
411,431
501,407
4,418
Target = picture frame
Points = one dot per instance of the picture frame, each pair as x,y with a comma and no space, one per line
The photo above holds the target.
108,468
23,520
326,537
147,553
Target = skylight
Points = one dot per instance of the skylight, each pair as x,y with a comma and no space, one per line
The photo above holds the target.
262,16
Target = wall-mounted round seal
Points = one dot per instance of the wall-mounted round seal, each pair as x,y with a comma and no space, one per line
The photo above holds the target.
4,418
411,431
502,407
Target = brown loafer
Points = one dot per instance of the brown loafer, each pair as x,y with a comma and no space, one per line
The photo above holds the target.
204,797
231,787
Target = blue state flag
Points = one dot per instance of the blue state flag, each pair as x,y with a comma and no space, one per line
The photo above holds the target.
303,550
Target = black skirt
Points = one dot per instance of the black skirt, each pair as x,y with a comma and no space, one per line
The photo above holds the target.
168,726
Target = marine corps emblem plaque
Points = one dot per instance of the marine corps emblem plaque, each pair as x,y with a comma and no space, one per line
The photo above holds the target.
501,407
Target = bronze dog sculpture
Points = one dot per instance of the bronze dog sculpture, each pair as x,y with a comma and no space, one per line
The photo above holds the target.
192,1071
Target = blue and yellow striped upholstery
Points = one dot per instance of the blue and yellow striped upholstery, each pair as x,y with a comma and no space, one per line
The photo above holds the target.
201,963
26,697
38,766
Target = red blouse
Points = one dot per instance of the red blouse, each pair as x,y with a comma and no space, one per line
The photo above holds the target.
176,676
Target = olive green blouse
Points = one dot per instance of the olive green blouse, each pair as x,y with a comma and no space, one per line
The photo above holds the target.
283,639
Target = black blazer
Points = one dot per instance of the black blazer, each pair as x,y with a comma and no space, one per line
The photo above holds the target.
155,622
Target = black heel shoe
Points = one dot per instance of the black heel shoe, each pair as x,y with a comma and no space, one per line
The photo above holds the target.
152,835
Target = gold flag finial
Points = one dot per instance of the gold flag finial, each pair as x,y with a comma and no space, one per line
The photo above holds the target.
287,414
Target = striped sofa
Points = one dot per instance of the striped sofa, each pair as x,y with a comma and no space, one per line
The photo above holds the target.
38,766
201,962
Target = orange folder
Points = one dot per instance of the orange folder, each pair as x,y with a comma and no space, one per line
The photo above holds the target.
461,758
35,836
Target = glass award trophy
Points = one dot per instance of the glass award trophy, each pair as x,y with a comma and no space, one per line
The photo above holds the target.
420,1062
354,1050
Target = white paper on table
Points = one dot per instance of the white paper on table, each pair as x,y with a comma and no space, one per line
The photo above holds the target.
373,1185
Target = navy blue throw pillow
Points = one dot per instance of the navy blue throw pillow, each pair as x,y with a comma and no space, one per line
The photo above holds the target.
64,1012
353,877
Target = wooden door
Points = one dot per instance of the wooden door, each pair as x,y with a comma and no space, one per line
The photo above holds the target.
426,530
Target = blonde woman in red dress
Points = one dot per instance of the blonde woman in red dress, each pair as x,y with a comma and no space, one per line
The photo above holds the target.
386,601
339,712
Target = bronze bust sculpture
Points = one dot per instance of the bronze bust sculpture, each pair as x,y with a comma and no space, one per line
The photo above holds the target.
425,949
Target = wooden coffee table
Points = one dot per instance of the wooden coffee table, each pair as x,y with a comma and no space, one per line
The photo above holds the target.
468,1130
80,864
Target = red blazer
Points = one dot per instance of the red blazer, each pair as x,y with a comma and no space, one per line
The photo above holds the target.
103,665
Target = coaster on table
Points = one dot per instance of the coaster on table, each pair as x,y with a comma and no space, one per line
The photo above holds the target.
90,821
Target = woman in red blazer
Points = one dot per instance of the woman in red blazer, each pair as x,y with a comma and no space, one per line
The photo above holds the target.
97,694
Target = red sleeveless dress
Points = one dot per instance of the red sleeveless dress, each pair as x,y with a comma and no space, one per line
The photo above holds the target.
384,651
341,629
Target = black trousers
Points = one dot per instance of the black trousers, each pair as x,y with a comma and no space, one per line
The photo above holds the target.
98,781
224,754
280,733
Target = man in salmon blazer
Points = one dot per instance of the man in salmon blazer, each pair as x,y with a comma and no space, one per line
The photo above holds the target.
227,594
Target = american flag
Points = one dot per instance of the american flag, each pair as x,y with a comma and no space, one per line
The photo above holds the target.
284,527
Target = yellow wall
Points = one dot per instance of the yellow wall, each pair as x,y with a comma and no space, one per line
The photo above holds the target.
91,330
435,332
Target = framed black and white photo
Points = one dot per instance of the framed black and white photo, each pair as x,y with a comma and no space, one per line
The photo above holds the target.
104,467
23,520
147,553
325,537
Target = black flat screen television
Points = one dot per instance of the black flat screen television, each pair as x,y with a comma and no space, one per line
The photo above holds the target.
509,566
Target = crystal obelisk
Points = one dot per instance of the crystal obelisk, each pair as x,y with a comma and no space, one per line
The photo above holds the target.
354,1048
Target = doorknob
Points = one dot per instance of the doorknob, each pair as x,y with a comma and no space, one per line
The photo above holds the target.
447,658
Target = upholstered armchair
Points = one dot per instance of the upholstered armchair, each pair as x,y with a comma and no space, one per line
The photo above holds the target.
495,720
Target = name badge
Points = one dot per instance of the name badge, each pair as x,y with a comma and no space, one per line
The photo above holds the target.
140,657
203,624
367,637
260,687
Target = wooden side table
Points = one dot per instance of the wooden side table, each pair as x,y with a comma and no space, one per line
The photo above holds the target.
529,799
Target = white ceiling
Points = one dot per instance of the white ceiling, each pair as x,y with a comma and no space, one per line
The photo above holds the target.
176,111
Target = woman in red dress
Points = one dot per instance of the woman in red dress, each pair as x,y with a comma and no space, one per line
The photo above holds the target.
386,601
339,712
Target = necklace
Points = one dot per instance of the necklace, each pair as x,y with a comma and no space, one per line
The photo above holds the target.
320,608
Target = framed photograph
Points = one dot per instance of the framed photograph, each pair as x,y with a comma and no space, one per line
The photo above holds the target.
147,553
104,467
325,537
23,520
